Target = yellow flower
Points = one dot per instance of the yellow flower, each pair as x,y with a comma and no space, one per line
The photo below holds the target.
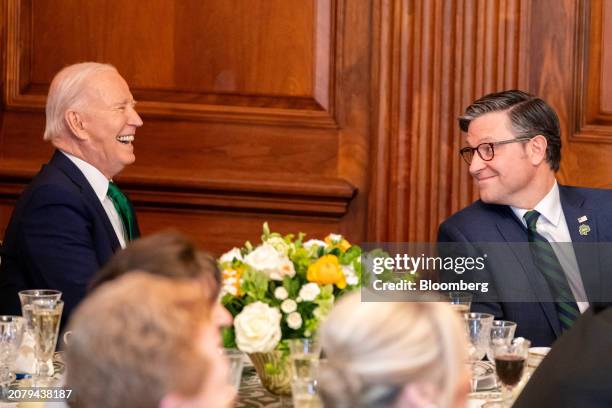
342,244
326,270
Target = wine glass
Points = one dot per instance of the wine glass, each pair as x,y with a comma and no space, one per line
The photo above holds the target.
478,328
11,332
304,355
46,317
27,297
460,302
502,332
510,364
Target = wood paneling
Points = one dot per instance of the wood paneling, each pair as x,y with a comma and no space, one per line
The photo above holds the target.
434,58
211,60
593,83
252,108
316,114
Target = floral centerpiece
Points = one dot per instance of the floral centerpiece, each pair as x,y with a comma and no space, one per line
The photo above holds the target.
283,289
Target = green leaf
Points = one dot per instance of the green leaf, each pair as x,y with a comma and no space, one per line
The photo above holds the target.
228,336
255,285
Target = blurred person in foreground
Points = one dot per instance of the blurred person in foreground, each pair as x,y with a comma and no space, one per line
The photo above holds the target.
393,355
145,341
576,371
72,217
173,255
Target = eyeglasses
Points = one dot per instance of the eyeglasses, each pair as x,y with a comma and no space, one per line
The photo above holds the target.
486,150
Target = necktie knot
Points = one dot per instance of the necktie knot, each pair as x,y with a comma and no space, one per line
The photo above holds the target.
123,208
531,218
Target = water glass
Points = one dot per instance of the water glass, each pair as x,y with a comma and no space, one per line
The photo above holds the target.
235,359
304,355
46,316
510,361
304,393
478,328
460,302
27,297
502,332
11,334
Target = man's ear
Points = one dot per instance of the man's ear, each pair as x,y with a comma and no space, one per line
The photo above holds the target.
75,124
538,145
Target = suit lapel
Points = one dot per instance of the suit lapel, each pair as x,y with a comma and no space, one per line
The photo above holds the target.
585,245
66,166
515,235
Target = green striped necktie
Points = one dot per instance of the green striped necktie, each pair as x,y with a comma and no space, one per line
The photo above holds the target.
547,262
124,209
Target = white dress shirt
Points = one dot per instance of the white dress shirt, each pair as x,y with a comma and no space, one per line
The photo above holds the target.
99,183
552,226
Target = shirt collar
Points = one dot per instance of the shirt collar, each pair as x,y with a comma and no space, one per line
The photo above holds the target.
96,179
549,207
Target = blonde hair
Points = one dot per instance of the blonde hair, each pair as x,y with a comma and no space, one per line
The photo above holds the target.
135,339
375,349
66,92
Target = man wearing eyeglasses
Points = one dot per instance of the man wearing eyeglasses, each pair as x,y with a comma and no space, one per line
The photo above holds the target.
546,268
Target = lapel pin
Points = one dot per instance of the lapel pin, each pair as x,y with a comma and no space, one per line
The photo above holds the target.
584,229
583,218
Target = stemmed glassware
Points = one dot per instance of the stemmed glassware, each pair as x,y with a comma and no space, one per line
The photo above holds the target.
509,364
502,332
27,298
304,355
478,327
11,332
46,316
460,302
42,310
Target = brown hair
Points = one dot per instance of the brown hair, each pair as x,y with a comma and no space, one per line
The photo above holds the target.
134,340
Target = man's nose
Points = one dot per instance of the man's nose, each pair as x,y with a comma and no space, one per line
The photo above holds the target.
477,164
134,119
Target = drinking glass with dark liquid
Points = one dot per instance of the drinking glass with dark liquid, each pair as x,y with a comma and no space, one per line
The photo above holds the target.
510,360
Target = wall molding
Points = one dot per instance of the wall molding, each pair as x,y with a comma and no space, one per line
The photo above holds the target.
314,111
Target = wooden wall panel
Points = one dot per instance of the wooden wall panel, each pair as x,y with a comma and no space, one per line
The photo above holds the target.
316,113
435,57
251,107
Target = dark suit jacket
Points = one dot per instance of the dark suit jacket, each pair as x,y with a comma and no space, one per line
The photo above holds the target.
58,236
576,372
513,275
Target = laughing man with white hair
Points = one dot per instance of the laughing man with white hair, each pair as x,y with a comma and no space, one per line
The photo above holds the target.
72,217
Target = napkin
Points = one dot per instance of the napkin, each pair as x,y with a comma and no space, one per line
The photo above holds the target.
26,357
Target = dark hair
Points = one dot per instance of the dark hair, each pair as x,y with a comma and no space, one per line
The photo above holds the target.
169,254
529,116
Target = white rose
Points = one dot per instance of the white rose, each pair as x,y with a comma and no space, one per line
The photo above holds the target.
288,306
294,320
279,244
285,269
309,291
335,238
230,255
350,275
257,328
265,257
281,293
313,242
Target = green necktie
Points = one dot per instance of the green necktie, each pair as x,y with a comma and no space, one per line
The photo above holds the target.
124,209
547,262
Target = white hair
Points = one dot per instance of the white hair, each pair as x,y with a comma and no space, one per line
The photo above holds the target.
373,350
66,92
